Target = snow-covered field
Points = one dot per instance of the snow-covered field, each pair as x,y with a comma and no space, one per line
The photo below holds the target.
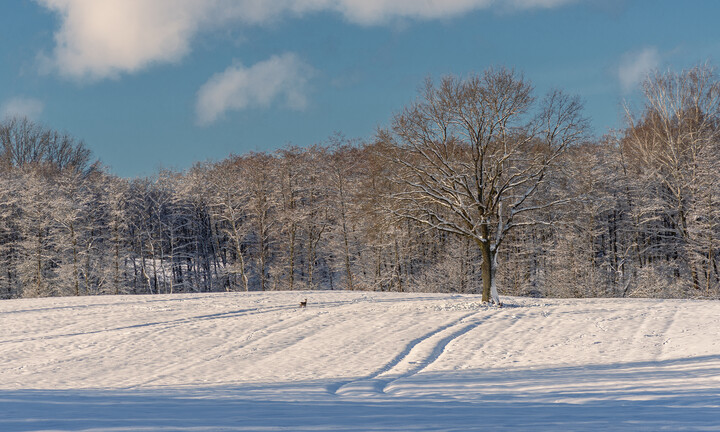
355,361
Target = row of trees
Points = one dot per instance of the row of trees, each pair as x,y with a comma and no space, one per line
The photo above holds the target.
479,186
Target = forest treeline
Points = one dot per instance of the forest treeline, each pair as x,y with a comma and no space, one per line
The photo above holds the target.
480,178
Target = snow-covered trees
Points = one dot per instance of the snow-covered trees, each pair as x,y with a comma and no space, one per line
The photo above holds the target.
673,149
467,177
45,207
228,198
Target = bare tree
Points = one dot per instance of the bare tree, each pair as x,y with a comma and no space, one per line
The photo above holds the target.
24,143
112,203
228,196
343,169
38,244
290,190
261,189
70,202
473,153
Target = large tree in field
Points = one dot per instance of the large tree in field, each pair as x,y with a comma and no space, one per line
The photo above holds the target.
473,154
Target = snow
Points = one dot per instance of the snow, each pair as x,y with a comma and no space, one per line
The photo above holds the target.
357,361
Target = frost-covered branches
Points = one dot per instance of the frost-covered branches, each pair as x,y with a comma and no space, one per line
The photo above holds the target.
673,147
472,154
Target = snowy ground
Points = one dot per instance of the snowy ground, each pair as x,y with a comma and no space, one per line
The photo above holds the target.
357,362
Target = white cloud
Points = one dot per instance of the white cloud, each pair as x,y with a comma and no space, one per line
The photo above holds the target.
102,38
105,38
279,79
635,67
21,107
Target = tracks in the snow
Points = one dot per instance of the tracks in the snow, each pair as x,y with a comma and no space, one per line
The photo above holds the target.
417,356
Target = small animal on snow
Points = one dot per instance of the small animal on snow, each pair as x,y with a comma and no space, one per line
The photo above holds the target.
303,303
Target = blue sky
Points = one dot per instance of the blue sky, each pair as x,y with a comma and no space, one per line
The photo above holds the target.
151,84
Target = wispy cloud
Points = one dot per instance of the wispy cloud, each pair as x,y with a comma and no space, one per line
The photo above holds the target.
98,39
634,67
281,79
21,107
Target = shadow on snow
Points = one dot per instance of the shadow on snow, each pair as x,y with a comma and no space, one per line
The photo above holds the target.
680,394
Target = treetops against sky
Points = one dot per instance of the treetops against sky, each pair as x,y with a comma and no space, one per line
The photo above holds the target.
165,83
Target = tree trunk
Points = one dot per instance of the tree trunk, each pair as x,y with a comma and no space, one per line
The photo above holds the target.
239,253
76,273
263,258
291,258
398,273
346,244
487,269
116,263
38,282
